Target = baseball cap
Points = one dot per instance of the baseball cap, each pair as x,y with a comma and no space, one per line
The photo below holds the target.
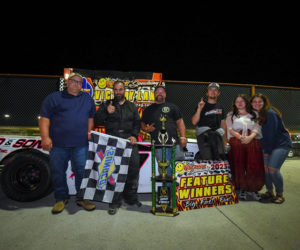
75,74
214,84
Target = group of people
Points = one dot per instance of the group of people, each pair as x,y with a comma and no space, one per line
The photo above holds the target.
259,142
67,118
254,129
259,145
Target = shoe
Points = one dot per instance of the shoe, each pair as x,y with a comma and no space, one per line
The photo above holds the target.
59,207
131,203
278,199
86,204
267,195
254,195
112,210
242,195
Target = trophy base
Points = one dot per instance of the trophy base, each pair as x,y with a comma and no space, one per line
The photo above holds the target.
159,178
169,212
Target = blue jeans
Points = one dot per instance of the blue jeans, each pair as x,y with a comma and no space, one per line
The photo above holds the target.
274,161
159,156
59,158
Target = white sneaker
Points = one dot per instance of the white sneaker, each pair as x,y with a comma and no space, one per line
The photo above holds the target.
255,196
242,195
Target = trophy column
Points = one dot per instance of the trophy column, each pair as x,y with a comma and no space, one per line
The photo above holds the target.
164,200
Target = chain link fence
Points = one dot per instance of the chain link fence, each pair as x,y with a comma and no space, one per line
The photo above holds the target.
187,95
22,97
288,103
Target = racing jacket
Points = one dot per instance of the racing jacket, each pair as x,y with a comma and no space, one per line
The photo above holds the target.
124,122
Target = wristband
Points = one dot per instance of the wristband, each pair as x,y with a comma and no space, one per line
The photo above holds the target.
182,138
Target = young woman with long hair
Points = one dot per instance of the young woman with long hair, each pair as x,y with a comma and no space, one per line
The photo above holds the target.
276,144
245,154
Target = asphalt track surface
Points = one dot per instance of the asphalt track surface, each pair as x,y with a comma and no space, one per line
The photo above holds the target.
245,225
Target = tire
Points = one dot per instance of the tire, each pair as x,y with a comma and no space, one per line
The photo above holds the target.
26,177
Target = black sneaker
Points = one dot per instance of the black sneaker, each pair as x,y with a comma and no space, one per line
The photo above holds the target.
112,210
132,203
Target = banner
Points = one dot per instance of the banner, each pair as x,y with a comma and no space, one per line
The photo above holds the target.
139,86
203,184
106,168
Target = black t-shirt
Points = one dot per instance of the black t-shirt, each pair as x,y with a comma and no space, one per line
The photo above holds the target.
153,113
211,116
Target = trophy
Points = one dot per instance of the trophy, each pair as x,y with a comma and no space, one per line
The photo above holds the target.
163,138
162,200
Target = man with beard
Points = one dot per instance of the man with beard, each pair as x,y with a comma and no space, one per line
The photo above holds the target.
209,119
121,119
151,124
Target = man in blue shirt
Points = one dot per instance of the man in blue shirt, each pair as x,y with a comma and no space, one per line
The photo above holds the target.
67,117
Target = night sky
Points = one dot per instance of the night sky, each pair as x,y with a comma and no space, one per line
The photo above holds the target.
264,53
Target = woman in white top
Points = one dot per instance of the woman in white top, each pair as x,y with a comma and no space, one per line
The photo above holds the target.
245,154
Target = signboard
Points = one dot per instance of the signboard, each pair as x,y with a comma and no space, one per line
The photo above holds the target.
139,87
203,184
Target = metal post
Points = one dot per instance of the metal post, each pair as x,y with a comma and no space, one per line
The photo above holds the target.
153,178
173,179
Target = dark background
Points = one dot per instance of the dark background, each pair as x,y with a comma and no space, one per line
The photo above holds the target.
238,47
188,49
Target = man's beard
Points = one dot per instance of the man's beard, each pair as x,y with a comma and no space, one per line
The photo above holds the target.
159,98
119,98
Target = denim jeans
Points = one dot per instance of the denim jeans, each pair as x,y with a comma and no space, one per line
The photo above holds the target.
159,156
275,161
59,158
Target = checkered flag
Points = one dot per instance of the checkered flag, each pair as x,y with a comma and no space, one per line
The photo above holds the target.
106,168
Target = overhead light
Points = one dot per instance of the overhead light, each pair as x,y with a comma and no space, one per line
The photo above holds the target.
6,115
39,117
66,76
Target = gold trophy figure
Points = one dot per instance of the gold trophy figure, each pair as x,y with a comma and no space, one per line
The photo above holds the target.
163,134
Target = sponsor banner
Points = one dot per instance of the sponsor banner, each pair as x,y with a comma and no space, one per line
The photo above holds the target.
139,87
203,184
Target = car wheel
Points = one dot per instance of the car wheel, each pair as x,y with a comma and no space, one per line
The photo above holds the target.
26,177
